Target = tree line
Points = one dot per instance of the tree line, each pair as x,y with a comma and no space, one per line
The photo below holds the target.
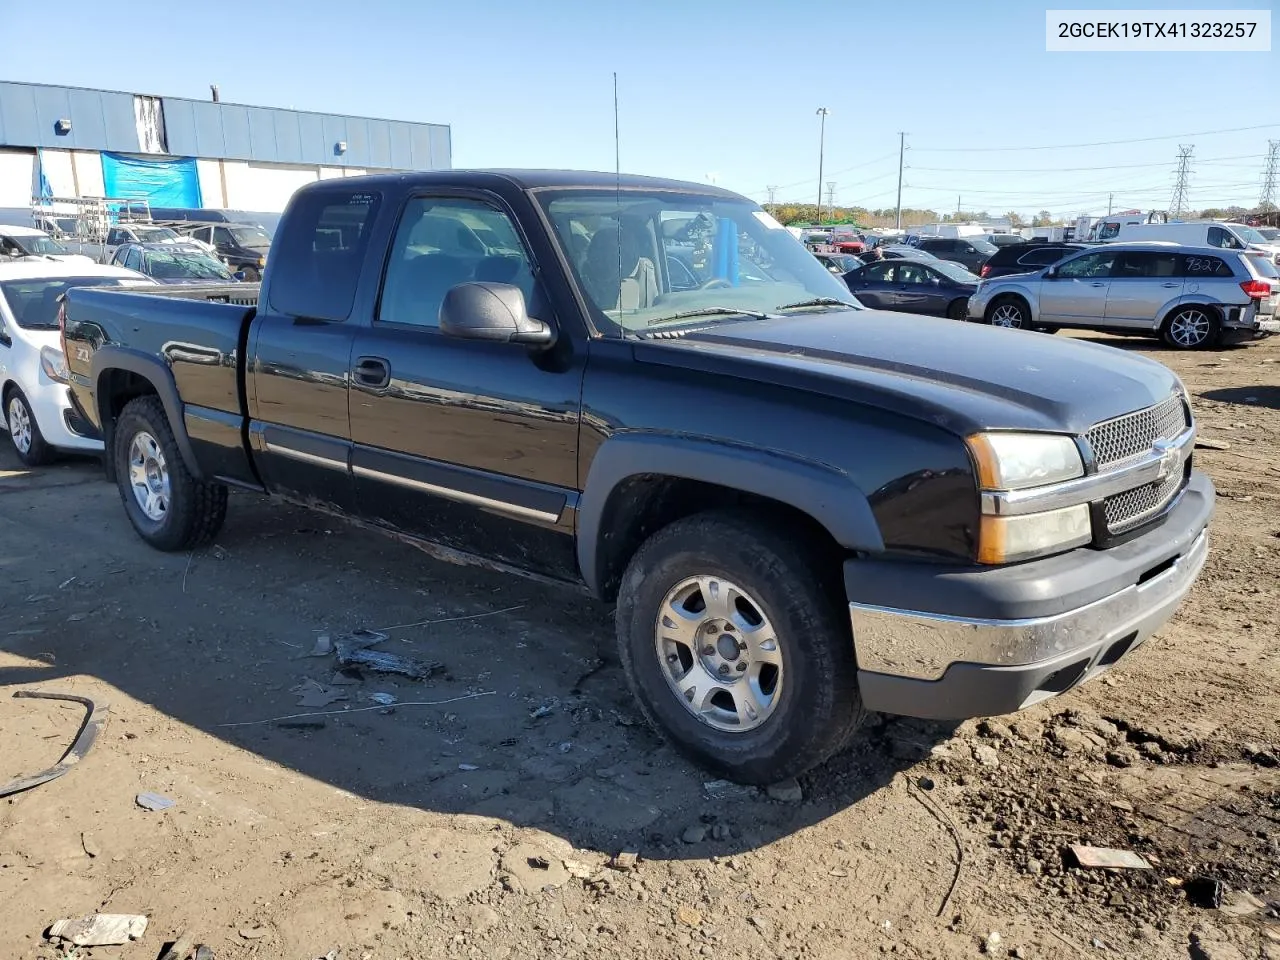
795,214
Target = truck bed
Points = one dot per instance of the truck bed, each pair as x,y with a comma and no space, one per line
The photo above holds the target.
199,334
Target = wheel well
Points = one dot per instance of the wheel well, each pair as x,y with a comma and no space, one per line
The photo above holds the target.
116,388
8,388
1215,309
642,505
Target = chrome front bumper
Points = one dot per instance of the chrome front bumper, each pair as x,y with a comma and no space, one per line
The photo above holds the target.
934,665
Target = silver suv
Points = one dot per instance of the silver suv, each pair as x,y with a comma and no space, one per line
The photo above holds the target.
1191,296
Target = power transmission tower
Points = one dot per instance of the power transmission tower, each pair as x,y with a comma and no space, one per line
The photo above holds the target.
773,195
902,149
1270,178
831,199
1178,206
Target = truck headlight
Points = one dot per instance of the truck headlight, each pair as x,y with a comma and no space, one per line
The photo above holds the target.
1022,461
1015,461
262,262
1007,539
54,364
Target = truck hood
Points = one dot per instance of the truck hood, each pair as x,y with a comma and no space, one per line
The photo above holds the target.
962,377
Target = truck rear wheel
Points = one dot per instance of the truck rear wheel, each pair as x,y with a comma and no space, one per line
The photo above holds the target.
168,507
734,649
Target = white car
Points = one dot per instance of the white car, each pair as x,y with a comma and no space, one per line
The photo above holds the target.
38,412
21,243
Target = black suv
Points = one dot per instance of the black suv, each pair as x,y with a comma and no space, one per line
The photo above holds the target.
1025,258
970,252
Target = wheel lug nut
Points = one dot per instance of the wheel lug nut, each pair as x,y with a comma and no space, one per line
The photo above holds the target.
708,650
724,668
742,666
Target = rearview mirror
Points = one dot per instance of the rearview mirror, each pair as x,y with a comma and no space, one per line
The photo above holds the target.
491,311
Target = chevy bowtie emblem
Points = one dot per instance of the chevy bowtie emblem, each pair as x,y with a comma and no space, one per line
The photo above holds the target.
1169,458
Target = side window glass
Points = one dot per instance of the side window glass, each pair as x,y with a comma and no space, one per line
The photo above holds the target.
442,242
880,272
1205,267
1142,266
221,235
910,273
1109,231
318,253
1091,265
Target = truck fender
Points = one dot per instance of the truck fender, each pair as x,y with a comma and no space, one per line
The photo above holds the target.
152,369
828,495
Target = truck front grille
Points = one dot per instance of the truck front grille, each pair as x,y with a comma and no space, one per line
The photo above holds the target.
1115,441
1130,509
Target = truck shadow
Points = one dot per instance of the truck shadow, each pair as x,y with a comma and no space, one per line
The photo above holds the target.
527,722
1264,397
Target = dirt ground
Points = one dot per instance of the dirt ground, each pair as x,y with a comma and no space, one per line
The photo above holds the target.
475,817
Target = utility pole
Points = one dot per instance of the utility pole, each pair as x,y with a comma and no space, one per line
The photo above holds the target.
772,206
831,200
822,139
1110,200
902,148
1182,178
1270,178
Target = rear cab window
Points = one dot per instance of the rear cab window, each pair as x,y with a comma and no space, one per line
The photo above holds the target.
319,252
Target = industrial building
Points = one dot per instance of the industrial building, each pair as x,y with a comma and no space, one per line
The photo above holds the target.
69,142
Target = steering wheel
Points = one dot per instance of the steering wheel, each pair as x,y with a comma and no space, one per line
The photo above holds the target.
715,283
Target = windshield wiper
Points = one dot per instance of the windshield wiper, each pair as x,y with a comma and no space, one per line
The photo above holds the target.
819,302
710,312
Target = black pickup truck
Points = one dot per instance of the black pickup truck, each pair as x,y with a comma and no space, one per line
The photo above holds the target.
802,509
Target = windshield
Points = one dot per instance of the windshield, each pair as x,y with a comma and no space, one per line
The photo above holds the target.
845,261
34,303
40,246
1247,234
1263,266
184,266
251,236
983,246
155,234
1269,233
954,271
643,257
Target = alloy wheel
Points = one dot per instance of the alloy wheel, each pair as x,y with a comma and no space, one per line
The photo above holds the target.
719,653
149,476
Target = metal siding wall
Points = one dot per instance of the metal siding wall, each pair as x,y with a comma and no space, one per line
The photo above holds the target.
104,120
180,128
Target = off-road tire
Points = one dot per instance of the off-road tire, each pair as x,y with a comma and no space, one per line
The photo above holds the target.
38,451
819,706
196,510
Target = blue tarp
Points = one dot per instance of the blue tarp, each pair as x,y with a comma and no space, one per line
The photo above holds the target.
163,182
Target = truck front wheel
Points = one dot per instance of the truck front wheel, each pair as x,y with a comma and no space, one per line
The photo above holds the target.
733,642
168,507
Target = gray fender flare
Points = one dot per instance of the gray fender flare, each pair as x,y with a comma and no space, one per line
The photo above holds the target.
156,372
823,492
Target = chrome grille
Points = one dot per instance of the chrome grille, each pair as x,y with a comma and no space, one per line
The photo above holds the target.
1114,441
1124,511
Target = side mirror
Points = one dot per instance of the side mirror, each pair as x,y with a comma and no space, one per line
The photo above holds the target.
1051,273
240,275
491,311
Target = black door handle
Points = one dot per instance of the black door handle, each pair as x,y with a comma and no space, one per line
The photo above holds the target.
372,372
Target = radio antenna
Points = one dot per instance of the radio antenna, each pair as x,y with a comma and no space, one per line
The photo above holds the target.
617,188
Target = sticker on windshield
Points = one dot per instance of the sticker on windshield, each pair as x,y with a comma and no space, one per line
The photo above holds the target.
768,221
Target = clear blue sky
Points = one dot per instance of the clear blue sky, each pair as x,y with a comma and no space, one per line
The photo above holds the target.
713,90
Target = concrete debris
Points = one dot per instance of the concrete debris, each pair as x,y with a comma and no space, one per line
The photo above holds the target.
254,933
1108,858
624,861
100,929
153,801
788,791
728,790
688,916
695,833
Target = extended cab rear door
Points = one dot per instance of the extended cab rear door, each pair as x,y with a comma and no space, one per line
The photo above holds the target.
472,445
300,347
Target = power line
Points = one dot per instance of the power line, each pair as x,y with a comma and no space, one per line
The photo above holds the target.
1115,166
1097,143
1267,201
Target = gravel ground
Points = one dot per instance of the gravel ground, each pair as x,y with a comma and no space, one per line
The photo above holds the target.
481,815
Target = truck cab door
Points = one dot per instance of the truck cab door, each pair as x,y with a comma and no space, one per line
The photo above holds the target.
471,445
300,350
